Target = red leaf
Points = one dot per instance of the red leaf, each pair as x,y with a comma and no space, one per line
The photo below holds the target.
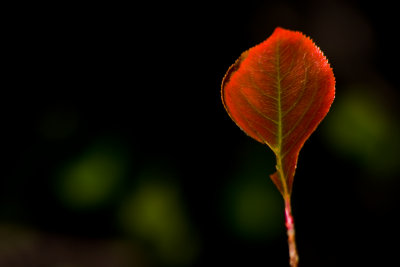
278,92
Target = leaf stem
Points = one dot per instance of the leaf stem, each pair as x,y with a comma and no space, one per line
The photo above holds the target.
293,255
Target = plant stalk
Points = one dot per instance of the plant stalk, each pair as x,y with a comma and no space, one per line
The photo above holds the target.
293,255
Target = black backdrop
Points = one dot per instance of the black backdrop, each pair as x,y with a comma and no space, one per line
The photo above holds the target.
148,76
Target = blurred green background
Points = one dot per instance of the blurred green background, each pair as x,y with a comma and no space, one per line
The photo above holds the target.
117,150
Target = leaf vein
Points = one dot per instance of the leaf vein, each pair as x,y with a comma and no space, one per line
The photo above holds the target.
304,131
259,89
300,96
256,109
302,115
252,127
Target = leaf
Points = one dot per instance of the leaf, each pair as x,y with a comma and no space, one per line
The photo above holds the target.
278,92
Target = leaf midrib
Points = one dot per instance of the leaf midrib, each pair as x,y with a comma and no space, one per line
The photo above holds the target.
278,151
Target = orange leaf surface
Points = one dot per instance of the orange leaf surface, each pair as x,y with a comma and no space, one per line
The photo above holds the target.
278,92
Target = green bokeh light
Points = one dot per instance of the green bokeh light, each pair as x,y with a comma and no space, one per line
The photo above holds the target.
255,210
253,206
362,128
92,178
154,213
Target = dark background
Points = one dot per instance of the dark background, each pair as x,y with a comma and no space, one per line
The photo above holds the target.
117,150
